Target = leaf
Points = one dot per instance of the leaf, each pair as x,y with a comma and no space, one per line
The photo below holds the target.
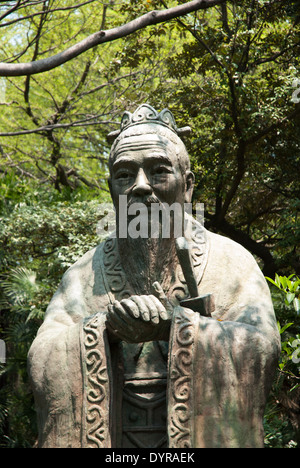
271,281
277,280
283,281
294,387
290,297
285,327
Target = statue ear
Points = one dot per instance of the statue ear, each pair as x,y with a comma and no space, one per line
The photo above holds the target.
111,190
189,186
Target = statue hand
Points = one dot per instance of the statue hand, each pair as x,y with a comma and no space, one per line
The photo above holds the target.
140,318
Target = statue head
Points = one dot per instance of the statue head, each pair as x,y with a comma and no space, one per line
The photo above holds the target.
150,166
148,159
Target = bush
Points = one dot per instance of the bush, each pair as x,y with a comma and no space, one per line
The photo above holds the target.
282,417
39,242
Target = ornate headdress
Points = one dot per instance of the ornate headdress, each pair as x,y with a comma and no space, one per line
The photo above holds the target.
146,114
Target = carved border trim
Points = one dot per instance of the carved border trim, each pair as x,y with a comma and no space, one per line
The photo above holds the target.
181,390
96,386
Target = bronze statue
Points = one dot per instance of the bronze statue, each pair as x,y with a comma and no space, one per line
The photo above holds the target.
159,340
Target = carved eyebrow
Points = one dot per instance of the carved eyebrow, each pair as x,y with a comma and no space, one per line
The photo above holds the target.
122,161
151,159
159,158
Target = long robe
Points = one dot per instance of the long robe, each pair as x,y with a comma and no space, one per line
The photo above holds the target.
220,368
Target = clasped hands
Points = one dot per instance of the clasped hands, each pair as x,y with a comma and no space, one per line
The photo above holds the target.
140,318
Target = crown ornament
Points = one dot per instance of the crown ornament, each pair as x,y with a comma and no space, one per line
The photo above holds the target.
146,114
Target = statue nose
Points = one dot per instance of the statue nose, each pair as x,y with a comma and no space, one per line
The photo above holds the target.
142,185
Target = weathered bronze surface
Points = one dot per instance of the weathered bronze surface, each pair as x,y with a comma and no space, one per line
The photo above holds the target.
155,341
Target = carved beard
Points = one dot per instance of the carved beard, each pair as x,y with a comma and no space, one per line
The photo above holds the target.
146,260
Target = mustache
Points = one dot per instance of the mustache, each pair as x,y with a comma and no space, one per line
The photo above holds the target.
147,201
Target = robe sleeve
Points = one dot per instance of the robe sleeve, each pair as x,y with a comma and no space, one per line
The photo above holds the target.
61,367
221,368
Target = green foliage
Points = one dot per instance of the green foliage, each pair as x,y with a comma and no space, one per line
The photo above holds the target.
232,79
283,409
291,287
54,125
20,296
40,238
278,431
229,72
287,308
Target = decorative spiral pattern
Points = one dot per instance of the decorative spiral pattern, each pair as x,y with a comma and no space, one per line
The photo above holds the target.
96,378
96,432
181,392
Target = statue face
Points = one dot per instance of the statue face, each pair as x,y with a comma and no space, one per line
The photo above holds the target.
148,165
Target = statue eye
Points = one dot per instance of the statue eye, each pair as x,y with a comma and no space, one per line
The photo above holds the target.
123,175
161,170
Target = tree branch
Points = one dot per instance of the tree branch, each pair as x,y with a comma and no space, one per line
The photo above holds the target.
110,82
240,158
47,128
244,239
273,126
225,19
54,119
28,109
13,8
275,56
16,20
203,44
101,37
